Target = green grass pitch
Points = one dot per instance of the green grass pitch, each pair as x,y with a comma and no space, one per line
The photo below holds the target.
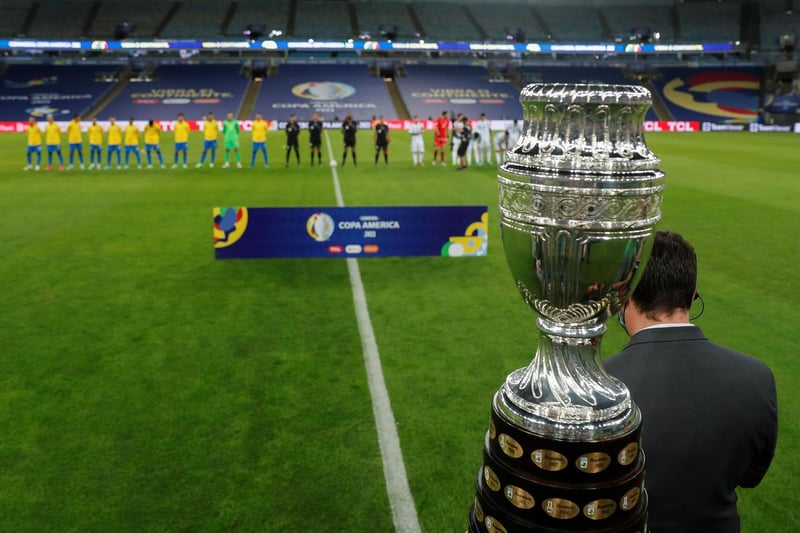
145,386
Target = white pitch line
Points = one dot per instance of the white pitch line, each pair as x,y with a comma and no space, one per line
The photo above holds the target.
404,513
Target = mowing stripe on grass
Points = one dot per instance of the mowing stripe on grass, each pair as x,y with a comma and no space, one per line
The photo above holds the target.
404,514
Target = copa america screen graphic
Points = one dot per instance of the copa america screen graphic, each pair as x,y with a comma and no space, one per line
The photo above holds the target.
323,90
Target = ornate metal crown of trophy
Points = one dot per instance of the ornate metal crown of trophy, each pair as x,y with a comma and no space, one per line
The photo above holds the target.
580,194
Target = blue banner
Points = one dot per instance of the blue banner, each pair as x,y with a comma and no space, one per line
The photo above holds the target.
369,46
270,232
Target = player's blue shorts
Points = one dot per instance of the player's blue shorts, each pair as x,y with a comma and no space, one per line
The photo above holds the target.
95,148
113,148
53,147
260,146
34,149
75,146
182,147
210,145
149,147
131,149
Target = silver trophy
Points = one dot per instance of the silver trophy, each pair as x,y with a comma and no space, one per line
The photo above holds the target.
579,196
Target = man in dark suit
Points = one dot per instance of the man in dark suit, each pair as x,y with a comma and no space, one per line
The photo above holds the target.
710,416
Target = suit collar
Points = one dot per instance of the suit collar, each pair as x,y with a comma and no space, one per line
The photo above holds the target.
683,333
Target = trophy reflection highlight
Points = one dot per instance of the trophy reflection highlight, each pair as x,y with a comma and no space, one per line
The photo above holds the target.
579,196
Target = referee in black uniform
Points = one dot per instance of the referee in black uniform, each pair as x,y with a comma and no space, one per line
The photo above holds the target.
349,129
292,134
381,138
315,137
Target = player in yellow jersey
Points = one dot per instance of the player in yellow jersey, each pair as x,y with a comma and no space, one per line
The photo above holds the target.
34,144
151,135
260,127
132,143
52,138
181,130
114,142
75,140
210,134
95,144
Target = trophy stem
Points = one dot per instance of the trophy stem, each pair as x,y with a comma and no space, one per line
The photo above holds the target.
565,393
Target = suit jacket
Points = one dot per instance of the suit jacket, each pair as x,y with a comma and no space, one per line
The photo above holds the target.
710,424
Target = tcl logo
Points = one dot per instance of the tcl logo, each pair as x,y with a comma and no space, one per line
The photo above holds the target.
671,125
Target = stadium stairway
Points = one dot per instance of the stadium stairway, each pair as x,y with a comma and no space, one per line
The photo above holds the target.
124,77
400,108
249,99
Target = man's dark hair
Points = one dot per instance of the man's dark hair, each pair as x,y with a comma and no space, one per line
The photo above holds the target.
670,277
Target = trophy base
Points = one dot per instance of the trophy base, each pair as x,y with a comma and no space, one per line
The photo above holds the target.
535,482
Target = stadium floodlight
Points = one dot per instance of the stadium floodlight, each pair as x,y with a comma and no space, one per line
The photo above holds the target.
254,31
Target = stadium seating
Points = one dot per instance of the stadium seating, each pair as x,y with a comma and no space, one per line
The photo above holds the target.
430,89
446,21
60,19
333,90
624,19
498,20
198,18
62,91
192,90
709,21
322,20
572,74
144,15
371,16
274,15
14,14
573,23
775,24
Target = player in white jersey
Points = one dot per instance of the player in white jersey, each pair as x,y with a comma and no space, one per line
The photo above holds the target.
415,130
501,145
514,132
482,142
455,136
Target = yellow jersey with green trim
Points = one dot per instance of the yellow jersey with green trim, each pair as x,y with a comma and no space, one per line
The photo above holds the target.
210,130
131,135
74,132
52,133
34,135
95,134
151,133
260,128
182,130
114,134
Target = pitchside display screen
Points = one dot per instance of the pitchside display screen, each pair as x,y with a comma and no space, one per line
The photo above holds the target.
336,232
